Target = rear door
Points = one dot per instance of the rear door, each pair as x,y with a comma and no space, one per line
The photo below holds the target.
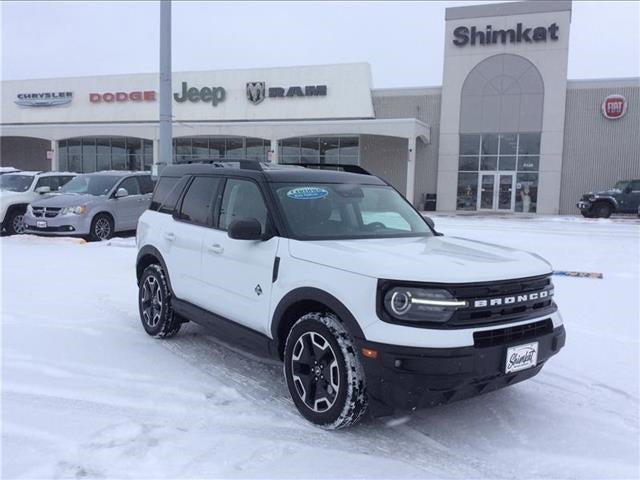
237,274
183,235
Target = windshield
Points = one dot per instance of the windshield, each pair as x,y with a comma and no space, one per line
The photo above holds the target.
15,183
91,184
320,211
621,185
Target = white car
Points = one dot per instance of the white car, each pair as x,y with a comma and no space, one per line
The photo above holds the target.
19,189
339,277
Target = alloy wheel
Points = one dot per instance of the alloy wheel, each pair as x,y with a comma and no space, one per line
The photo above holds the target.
151,301
314,367
18,224
102,229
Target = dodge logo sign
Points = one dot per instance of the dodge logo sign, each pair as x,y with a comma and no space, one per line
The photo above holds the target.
256,92
614,107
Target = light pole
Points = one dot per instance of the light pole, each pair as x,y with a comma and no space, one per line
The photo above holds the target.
165,155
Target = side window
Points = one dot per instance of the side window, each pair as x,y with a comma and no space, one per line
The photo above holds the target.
242,199
171,199
64,180
44,182
635,186
131,185
146,184
197,205
163,188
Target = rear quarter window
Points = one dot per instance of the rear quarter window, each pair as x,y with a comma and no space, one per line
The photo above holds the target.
162,190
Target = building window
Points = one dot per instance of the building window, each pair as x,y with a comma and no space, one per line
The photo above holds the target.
199,149
516,154
91,154
320,150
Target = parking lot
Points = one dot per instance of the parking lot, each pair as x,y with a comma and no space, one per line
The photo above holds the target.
86,393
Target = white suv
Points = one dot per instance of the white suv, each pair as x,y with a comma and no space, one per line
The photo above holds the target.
337,275
19,189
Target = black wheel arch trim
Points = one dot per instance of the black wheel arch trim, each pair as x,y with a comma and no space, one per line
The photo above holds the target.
316,295
149,250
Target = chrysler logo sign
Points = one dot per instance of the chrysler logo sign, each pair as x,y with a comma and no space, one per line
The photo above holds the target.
524,297
614,107
44,99
258,91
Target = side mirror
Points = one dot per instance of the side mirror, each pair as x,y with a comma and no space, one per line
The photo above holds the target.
42,190
430,222
245,229
122,192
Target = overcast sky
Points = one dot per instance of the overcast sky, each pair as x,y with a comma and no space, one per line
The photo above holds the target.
403,41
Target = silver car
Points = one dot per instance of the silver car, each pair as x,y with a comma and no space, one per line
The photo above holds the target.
94,204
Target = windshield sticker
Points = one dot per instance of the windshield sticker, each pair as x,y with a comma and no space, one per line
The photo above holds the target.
307,193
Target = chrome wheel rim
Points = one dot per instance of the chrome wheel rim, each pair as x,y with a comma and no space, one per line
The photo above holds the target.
18,224
102,228
315,372
151,301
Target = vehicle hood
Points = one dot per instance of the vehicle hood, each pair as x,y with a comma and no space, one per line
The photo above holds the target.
605,193
67,200
8,196
423,259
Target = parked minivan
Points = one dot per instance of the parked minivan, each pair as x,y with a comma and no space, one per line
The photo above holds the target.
94,204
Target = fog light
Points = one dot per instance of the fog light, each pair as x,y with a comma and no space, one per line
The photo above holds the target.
369,353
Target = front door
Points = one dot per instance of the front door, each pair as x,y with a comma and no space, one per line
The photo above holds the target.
496,191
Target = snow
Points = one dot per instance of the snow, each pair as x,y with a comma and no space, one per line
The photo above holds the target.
87,394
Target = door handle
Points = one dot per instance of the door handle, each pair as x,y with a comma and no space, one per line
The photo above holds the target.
170,236
215,248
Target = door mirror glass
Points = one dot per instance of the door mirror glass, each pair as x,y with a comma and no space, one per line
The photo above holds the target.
245,229
122,192
44,189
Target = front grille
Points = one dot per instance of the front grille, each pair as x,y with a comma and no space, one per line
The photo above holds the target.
502,336
472,316
45,212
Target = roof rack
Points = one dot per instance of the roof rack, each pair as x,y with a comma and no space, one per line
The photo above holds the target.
336,166
243,164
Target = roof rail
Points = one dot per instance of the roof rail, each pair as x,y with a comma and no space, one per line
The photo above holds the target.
336,166
241,163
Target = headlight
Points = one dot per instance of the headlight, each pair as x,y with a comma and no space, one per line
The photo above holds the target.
421,304
78,210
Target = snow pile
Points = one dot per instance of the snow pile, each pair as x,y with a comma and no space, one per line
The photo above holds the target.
86,393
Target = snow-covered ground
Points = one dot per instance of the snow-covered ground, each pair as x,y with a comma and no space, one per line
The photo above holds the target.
87,394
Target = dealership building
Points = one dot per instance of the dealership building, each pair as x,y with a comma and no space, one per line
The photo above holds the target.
506,131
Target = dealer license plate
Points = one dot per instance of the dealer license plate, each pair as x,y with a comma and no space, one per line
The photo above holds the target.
41,224
521,357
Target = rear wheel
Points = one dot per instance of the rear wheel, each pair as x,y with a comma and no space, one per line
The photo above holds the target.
154,304
101,227
602,210
15,222
324,373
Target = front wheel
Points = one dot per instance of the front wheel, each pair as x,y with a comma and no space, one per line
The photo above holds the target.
324,373
15,222
154,304
602,210
101,227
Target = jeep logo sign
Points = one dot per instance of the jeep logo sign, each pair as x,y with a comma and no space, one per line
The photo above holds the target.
212,95
614,107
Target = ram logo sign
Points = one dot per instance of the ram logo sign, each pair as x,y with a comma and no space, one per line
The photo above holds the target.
256,92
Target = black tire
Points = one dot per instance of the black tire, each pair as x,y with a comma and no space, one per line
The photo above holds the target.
586,214
154,304
319,344
15,222
602,210
101,227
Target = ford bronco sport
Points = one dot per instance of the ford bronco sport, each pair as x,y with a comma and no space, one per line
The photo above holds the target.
338,276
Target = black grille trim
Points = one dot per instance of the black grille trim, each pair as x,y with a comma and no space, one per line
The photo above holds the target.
518,333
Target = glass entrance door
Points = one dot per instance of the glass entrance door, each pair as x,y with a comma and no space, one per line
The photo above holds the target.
496,191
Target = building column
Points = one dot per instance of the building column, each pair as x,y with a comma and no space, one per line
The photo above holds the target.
411,168
155,166
274,150
55,161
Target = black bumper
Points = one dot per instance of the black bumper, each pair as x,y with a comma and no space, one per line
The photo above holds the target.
407,378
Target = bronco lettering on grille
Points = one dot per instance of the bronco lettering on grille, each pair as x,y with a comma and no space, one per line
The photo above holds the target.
492,302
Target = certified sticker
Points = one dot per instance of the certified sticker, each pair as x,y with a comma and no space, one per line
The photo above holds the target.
307,193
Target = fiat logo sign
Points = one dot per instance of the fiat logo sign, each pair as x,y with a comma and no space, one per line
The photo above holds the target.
614,107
